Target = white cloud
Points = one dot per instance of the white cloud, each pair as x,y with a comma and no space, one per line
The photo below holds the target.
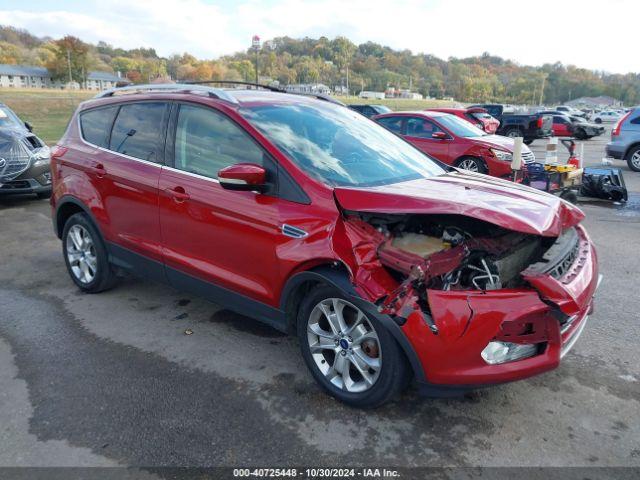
584,33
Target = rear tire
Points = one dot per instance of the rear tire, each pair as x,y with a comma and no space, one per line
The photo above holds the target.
85,255
336,336
598,121
633,158
528,141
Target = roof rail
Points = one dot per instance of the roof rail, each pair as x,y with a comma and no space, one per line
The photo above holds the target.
271,88
169,88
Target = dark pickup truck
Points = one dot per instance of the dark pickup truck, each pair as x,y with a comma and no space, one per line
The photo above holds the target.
530,127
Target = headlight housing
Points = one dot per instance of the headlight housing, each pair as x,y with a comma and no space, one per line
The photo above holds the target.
502,155
502,352
42,157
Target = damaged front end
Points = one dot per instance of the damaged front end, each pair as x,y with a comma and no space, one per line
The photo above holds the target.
479,303
18,152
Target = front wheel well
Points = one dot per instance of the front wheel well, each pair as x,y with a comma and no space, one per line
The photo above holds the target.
299,286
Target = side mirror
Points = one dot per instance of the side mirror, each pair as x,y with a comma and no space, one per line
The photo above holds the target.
243,176
439,135
28,126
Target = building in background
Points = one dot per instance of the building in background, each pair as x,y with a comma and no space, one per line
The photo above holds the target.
314,88
602,101
25,76
103,80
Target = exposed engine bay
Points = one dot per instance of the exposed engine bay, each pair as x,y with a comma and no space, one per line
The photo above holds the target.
446,252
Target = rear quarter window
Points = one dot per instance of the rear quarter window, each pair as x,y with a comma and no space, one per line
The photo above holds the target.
95,125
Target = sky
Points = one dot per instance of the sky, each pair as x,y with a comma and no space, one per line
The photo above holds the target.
584,33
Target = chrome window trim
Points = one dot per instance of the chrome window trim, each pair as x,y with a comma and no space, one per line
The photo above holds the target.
80,134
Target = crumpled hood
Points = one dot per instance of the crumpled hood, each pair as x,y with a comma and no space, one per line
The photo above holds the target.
503,203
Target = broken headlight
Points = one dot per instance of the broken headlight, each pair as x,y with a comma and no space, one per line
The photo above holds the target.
502,352
502,155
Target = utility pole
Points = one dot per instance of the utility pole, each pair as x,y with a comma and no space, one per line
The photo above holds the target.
69,64
544,78
255,44
347,78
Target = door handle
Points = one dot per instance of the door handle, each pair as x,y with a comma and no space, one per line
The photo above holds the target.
178,194
98,169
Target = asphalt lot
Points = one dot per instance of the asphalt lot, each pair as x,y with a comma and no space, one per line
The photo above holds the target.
112,379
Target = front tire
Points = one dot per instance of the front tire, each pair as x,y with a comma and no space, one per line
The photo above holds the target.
581,134
352,356
86,255
528,141
471,164
633,159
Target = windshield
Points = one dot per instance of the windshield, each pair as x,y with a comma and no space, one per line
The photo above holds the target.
459,127
340,147
382,109
8,119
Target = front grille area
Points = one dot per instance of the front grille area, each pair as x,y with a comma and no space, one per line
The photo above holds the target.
528,157
561,258
565,264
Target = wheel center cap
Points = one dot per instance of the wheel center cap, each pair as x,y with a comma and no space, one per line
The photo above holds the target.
344,344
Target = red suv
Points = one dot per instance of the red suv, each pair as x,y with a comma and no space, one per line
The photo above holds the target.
455,141
475,115
312,218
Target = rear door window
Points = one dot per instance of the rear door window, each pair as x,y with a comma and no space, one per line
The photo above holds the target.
139,130
95,125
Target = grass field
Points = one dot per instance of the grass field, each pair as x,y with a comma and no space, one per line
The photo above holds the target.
399,104
49,111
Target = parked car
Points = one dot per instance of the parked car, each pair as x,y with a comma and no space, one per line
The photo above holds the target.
370,110
24,158
305,215
570,111
530,127
568,126
455,141
625,140
477,116
563,126
607,116
584,129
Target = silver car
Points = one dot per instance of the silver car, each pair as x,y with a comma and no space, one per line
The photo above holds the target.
625,140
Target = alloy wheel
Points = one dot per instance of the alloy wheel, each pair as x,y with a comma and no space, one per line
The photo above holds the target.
469,164
344,345
81,254
635,159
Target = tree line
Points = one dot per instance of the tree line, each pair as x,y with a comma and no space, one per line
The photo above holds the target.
334,62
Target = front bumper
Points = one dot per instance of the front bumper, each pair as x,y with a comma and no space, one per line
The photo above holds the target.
468,320
21,185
